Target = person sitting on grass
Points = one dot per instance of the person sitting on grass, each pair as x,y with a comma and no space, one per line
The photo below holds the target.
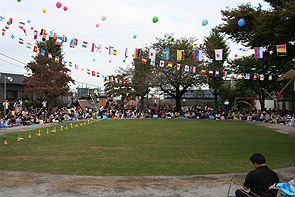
258,180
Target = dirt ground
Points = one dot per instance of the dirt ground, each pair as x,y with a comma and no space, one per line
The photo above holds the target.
25,184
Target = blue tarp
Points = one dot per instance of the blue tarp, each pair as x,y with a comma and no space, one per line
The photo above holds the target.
287,188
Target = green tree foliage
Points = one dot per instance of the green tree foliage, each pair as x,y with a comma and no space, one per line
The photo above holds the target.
48,79
172,81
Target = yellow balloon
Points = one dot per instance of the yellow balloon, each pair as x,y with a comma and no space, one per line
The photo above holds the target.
194,46
44,10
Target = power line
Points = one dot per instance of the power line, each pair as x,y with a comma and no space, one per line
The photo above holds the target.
13,59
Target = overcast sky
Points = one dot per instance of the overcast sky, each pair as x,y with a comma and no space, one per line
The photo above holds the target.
124,19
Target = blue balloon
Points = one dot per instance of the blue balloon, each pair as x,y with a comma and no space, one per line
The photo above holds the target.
28,20
204,22
94,59
241,22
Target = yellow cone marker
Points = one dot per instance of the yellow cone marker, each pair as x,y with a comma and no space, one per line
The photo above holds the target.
61,128
71,125
84,123
47,132
66,126
30,136
5,142
18,139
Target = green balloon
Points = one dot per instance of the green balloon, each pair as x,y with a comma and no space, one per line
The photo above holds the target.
19,0
155,19
169,40
124,60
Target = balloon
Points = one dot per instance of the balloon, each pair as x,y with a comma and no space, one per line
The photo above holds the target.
134,36
271,52
19,0
103,18
29,21
236,55
169,40
204,22
65,8
44,10
97,25
58,4
94,59
241,22
194,46
155,19
124,60
110,61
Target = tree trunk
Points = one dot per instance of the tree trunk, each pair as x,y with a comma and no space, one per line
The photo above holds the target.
262,101
216,102
142,102
178,103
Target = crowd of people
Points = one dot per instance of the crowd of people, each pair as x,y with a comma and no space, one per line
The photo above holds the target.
24,116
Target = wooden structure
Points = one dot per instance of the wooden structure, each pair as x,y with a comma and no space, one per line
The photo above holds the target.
286,95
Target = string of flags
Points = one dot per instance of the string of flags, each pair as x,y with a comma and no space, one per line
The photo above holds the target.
94,47
54,130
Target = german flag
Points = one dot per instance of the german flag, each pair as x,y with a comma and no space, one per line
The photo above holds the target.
281,50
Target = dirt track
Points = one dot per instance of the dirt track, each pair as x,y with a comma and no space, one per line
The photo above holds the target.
15,183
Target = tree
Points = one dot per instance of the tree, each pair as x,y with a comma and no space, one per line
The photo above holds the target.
215,41
48,79
172,81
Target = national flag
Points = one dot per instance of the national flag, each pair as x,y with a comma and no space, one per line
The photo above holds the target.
76,67
93,73
198,55
111,50
65,38
3,32
70,64
84,44
178,66
49,55
99,48
162,63
35,50
116,80
152,62
58,40
281,50
97,74
43,31
44,37
152,54
255,77
124,82
170,64
186,67
115,52
126,53
22,26
244,49
225,74
261,77
165,55
93,47
9,22
120,81
211,72
258,52
143,60
180,54
52,34
42,52
217,73
88,71
269,77
203,71
2,18
137,53
194,69
73,43
35,34
21,41
247,76
218,54
56,59
64,62
232,75
242,76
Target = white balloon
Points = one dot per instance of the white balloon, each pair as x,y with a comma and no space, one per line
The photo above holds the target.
103,18
271,52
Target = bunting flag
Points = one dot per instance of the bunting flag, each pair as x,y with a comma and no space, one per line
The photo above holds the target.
270,77
211,72
99,48
12,36
93,48
247,76
56,59
35,34
52,34
88,71
162,63
21,41
49,55
126,53
22,27
124,82
3,32
76,67
244,49
186,68
58,41
9,22
42,52
93,73
242,76
170,64
194,69
35,50
165,55
120,81
44,37
111,50
218,54
232,75
70,64
198,55
180,54
281,50
115,52
137,53
203,71
255,77
65,38
97,74
217,73
178,66
84,44
225,74
143,60
73,43
152,62
258,52
152,54
261,77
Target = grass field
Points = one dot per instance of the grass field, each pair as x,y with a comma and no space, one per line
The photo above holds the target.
147,147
